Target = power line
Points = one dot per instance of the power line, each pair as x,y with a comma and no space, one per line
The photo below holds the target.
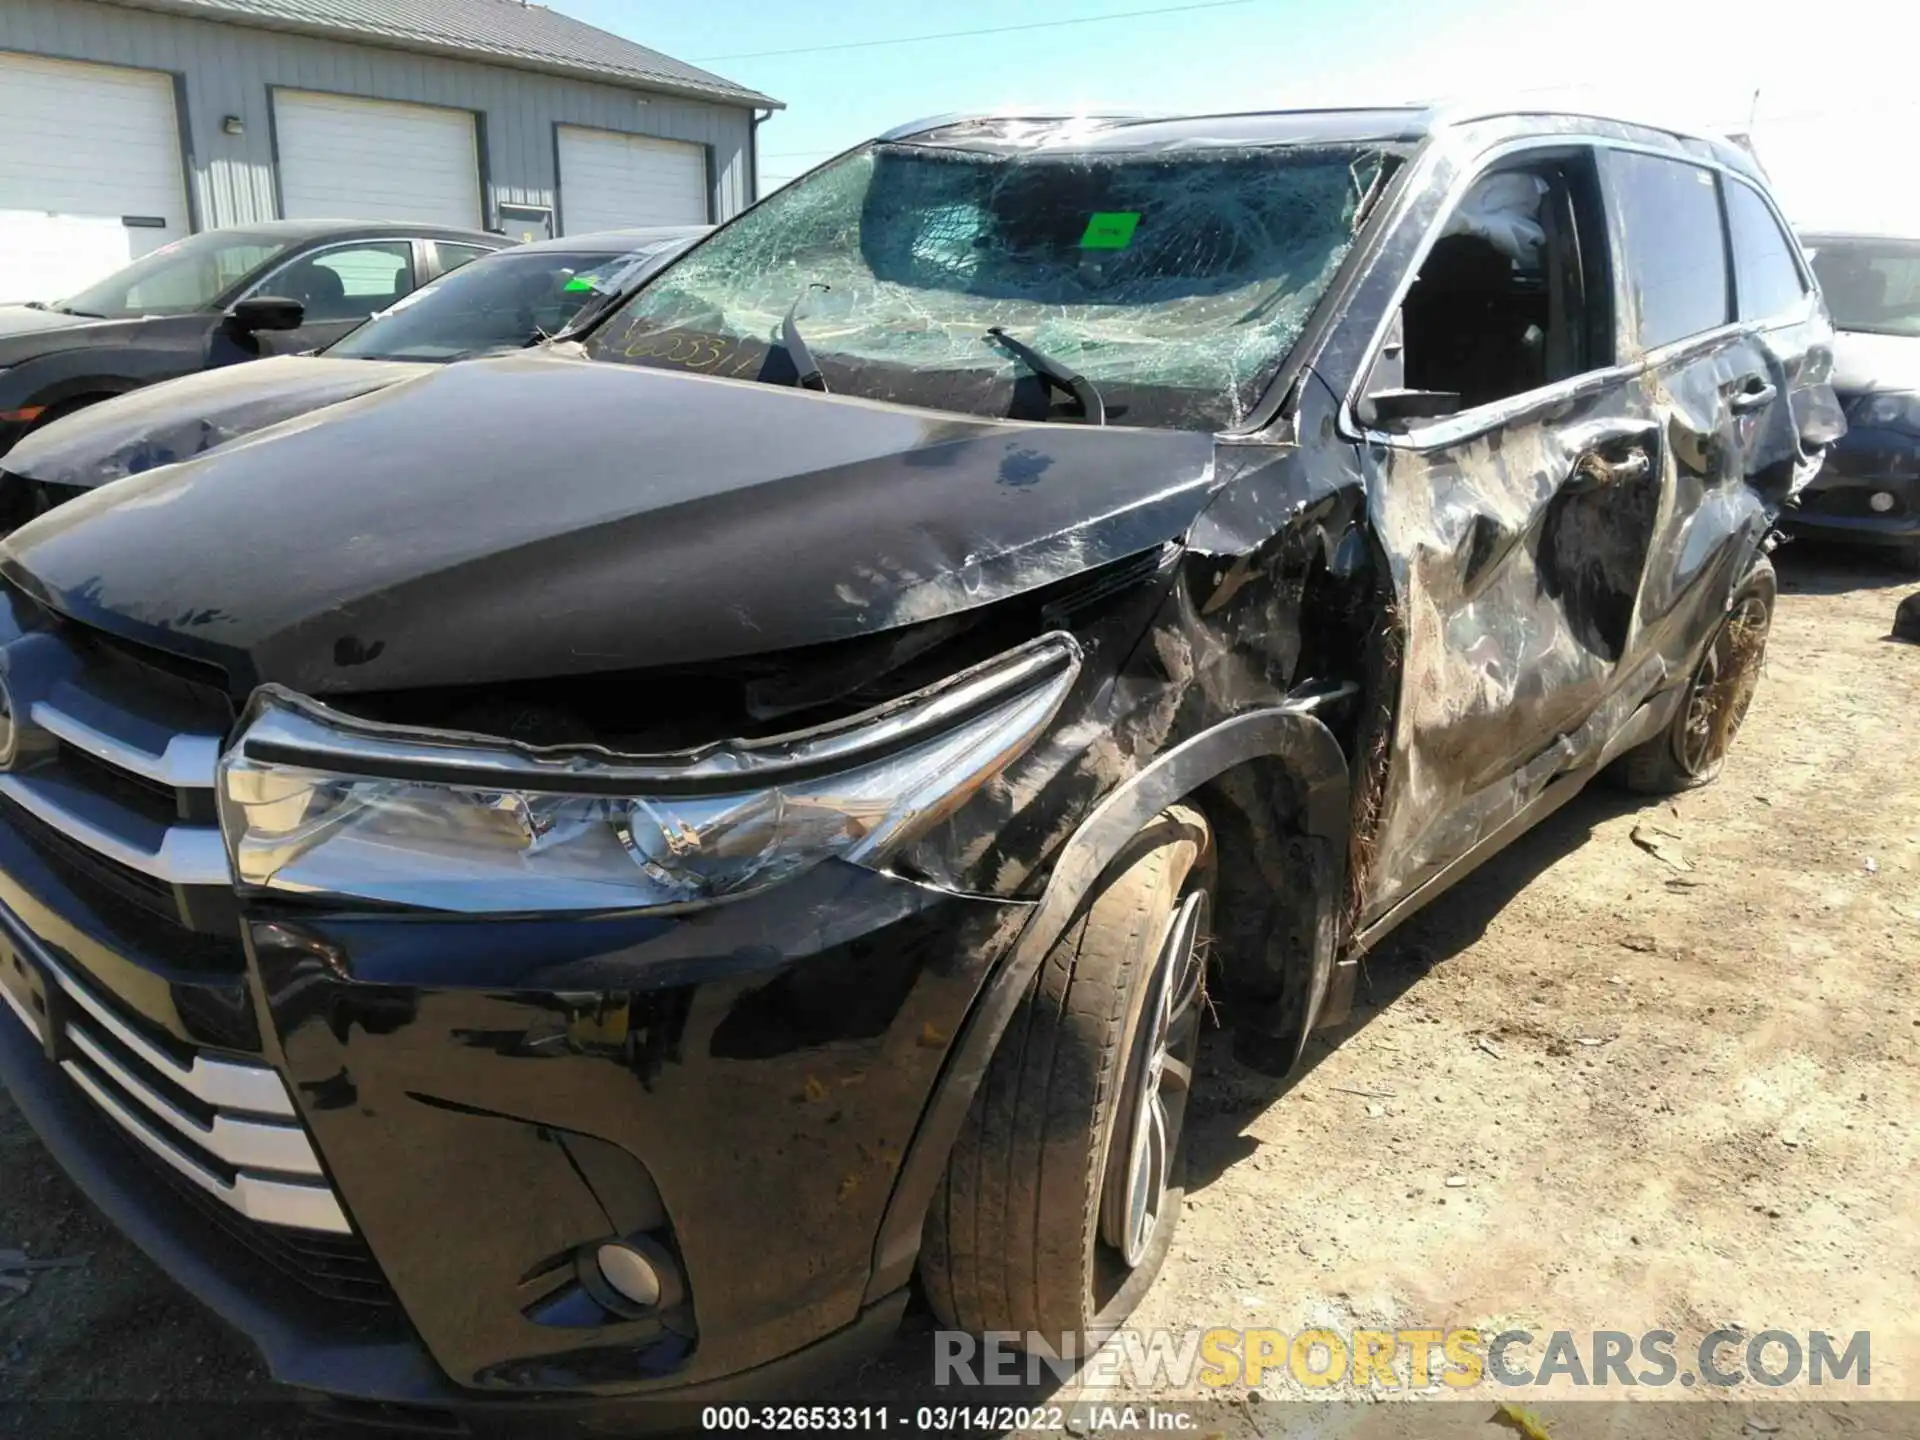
970,34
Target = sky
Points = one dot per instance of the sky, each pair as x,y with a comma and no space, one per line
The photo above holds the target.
1823,86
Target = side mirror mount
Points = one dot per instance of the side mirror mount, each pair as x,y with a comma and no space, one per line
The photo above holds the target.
264,312
1395,409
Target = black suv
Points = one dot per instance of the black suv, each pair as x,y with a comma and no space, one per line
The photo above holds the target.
588,870
274,288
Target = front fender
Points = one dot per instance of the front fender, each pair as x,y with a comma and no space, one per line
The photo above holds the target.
63,375
1289,735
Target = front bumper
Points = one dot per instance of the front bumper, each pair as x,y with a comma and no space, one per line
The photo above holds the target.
488,1097
1840,502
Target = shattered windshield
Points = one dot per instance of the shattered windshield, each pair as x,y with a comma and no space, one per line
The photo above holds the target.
1174,281
1870,285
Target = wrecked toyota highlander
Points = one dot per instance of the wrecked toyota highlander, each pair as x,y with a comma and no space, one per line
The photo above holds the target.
578,876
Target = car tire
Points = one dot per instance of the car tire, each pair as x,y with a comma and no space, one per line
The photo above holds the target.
1694,747
1062,1192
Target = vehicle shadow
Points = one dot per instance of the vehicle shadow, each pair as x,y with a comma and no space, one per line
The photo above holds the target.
1216,1121
903,1377
1820,567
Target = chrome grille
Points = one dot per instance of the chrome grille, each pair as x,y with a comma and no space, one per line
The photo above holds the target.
123,766
110,754
227,1126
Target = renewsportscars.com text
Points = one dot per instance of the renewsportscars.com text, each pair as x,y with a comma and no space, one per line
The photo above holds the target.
1409,1359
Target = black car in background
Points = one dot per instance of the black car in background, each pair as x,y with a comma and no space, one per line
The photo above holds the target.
1869,489
200,302
503,301
584,872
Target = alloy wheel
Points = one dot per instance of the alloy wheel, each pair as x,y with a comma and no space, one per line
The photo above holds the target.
1723,687
1159,1080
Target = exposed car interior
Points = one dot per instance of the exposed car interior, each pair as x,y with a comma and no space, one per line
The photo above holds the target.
346,284
1501,304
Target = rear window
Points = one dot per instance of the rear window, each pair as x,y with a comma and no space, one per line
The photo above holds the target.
1674,258
1765,276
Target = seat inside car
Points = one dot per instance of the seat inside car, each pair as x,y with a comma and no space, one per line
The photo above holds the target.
318,288
1470,327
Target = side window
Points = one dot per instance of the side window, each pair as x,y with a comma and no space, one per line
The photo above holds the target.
347,282
1765,276
1675,260
453,256
1512,296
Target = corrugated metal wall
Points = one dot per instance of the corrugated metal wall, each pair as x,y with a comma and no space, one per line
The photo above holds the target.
229,69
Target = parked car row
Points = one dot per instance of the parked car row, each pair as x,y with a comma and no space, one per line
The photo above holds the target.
612,862
509,299
201,301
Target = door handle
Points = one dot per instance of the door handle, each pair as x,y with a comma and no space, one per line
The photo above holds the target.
1634,465
1754,397
1594,471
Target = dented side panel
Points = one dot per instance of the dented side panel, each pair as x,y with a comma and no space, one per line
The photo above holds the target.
1557,564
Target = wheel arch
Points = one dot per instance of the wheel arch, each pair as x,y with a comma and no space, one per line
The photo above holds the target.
1286,741
75,392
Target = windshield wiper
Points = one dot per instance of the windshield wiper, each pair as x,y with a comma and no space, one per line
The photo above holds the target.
805,366
1056,375
81,314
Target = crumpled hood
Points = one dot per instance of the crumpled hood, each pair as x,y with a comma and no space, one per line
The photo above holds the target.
540,515
182,418
1865,364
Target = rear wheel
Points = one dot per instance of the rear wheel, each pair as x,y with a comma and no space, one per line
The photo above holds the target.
1695,746
1063,1190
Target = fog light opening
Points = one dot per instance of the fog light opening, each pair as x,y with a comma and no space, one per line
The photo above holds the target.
634,1277
1881,501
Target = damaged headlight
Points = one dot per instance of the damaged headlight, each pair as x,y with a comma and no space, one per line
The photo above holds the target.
1890,411
316,802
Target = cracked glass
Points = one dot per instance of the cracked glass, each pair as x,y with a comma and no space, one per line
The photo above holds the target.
1175,281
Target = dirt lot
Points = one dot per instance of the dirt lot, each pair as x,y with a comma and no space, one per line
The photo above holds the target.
1592,1089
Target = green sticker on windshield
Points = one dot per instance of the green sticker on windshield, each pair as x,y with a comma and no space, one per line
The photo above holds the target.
1110,230
580,282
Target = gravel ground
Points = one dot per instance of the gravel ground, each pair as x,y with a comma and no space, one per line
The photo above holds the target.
1601,1089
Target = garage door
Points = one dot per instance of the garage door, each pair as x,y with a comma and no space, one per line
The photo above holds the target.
87,149
610,181
348,159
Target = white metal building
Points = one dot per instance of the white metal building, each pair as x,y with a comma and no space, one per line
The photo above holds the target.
128,123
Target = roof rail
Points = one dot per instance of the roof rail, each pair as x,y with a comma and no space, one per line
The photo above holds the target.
1448,113
961,117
